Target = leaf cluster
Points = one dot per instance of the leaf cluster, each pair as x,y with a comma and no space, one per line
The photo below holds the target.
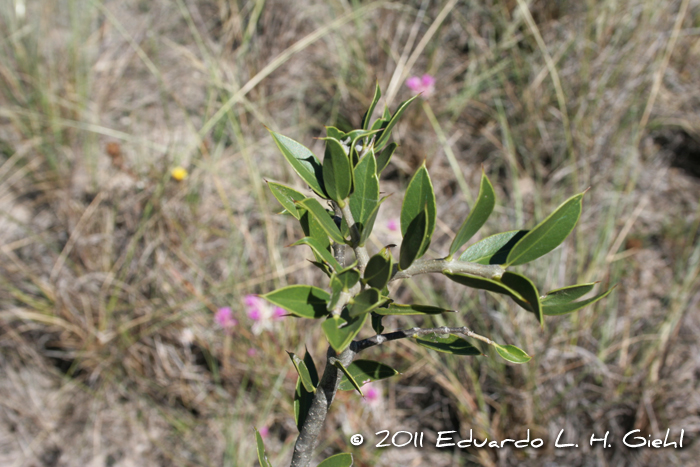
343,210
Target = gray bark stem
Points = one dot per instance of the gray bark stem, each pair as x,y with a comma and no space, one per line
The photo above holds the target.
325,392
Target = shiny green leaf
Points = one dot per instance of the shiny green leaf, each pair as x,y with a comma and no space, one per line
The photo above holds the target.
320,250
348,376
368,115
303,372
378,270
384,157
526,289
377,322
386,134
333,132
478,215
341,330
413,240
302,397
337,172
324,219
366,195
303,161
348,278
367,229
364,302
492,285
364,371
558,306
305,301
419,196
451,344
338,460
512,353
312,228
286,196
548,234
262,457
566,294
493,249
396,309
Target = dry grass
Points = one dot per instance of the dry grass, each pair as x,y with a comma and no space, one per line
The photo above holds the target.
110,271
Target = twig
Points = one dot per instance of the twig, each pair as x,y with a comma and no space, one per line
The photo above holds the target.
360,251
358,346
425,266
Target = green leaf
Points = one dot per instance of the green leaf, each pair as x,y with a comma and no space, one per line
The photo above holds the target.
303,372
333,132
385,156
305,301
512,353
493,249
302,397
366,195
338,460
320,250
378,271
451,344
364,371
312,228
386,134
396,309
337,172
377,322
286,196
341,330
386,115
367,229
526,289
413,240
566,294
380,123
491,285
478,215
368,115
548,234
348,278
323,267
323,218
558,306
364,302
419,196
348,376
303,161
262,457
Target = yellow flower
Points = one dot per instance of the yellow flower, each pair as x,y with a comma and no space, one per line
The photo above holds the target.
179,173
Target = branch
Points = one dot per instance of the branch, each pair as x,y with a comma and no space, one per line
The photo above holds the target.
325,392
327,387
379,339
424,266
360,251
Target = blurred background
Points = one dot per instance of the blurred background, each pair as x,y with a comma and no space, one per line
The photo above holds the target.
112,271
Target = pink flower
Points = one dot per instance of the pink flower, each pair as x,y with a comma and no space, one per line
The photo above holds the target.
224,318
262,314
264,432
392,225
372,394
252,352
279,313
425,84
